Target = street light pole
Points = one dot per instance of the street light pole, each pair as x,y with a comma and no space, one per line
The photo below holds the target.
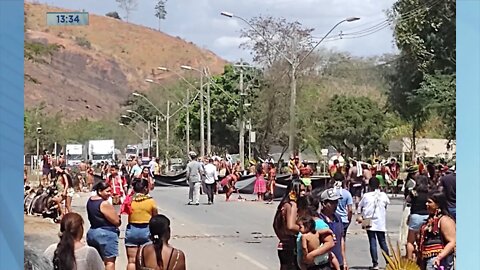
294,64
168,133
241,137
188,121
209,134
202,117
149,139
157,149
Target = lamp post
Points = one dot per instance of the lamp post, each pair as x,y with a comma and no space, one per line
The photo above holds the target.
202,117
157,150
294,63
133,131
187,104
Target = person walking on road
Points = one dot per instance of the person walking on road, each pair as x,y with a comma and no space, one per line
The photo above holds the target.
104,222
211,176
373,209
160,254
345,203
194,171
70,252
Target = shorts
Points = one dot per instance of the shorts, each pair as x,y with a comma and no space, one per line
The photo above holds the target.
137,235
356,191
45,171
70,192
415,221
287,257
104,240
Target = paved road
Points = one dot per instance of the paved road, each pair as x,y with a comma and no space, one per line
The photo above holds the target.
220,236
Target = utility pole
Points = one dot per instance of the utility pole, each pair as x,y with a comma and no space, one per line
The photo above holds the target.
249,139
168,133
202,124
241,136
157,150
149,139
188,120
209,132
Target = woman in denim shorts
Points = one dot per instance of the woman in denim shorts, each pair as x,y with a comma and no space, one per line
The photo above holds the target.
104,222
417,198
141,210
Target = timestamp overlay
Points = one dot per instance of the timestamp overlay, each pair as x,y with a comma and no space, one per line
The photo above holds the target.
67,18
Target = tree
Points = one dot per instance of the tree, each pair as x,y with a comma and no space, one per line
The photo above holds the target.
128,6
353,125
225,97
160,11
425,34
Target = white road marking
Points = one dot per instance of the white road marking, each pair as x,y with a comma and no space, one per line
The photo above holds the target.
259,265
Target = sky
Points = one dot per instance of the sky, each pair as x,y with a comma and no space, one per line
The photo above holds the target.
200,22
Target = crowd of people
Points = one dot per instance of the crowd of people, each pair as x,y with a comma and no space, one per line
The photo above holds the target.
312,225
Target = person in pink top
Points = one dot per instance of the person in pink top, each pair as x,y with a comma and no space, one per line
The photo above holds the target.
260,187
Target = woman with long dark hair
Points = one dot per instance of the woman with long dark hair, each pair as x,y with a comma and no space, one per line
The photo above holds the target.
285,225
437,240
159,254
70,253
104,222
417,198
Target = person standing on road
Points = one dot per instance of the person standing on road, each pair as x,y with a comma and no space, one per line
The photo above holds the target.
211,176
436,244
194,170
448,185
329,201
70,252
417,199
141,209
160,254
104,222
373,207
285,225
345,203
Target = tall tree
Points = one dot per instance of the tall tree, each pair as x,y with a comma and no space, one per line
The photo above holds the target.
353,125
160,11
128,6
425,34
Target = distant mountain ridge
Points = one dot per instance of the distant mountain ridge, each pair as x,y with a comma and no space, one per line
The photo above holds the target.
94,68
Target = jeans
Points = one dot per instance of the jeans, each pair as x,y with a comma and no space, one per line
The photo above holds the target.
453,213
210,190
372,239
104,240
136,235
447,263
194,192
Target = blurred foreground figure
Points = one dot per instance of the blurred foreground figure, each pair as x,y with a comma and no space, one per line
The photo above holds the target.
33,261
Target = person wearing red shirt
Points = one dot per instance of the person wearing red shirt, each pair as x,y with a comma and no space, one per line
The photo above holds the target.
118,184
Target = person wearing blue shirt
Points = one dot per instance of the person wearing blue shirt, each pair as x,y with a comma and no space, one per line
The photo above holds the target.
345,203
329,199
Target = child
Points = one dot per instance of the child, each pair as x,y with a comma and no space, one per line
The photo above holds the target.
260,187
311,241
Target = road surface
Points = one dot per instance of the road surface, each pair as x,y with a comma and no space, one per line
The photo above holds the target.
237,235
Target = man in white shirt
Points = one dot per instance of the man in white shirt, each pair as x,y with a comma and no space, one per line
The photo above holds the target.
373,207
211,175
136,170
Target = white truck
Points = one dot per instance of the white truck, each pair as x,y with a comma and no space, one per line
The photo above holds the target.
74,154
131,151
101,150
